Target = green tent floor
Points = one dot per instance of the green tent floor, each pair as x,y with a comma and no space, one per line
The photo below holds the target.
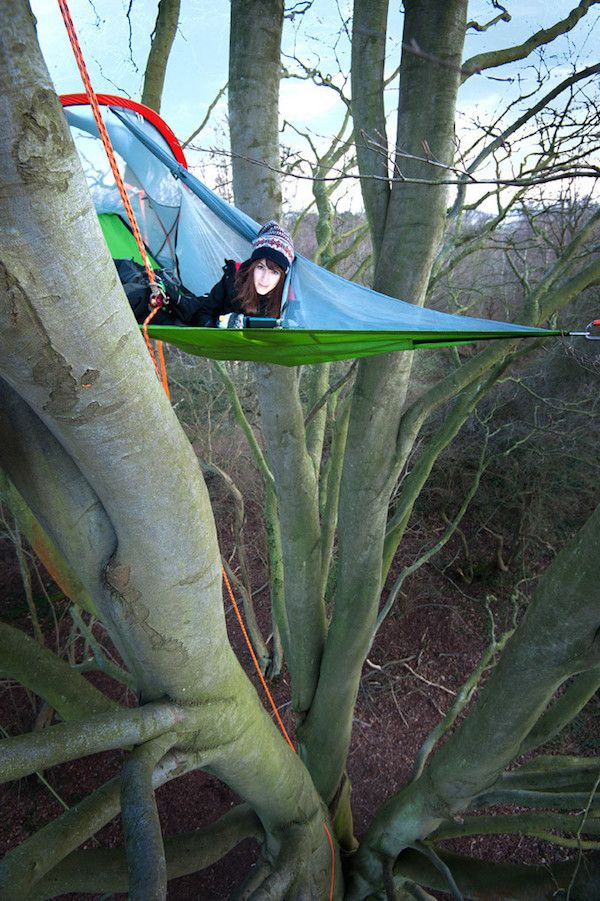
290,347
294,347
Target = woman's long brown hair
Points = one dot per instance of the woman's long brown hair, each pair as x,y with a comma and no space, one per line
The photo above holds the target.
245,291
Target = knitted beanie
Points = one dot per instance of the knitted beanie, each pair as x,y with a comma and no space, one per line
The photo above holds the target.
273,243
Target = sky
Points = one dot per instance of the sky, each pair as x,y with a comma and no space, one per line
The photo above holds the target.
116,49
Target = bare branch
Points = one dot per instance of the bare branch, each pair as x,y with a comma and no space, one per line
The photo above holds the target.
503,16
495,58
41,671
209,111
337,386
525,180
502,138
551,723
33,858
298,9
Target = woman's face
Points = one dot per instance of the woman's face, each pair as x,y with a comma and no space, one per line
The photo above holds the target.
265,279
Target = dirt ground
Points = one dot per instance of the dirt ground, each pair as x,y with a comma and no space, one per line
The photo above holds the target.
419,659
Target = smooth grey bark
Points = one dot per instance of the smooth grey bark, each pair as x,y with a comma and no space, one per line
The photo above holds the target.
70,348
297,494
414,227
558,637
254,73
369,30
69,510
146,862
165,29
426,113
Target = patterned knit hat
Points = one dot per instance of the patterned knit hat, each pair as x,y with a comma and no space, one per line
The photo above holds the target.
274,243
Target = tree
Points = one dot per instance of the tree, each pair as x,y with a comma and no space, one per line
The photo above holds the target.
407,218
75,446
67,352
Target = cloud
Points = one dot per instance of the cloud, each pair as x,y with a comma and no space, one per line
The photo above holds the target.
305,101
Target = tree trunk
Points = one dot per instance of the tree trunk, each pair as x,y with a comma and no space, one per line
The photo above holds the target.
69,347
254,72
165,29
414,226
559,637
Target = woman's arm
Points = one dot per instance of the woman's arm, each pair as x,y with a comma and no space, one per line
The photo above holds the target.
205,310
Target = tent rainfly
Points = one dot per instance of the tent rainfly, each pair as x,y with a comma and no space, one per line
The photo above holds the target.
187,227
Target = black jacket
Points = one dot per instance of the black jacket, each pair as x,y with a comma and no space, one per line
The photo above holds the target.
184,308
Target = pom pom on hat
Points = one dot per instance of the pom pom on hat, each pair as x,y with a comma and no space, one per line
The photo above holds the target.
274,243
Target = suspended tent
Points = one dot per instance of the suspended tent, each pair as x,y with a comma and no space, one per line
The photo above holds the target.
187,227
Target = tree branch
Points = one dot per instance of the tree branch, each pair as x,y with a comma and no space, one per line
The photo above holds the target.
554,720
369,29
501,139
485,879
242,421
141,825
330,488
556,638
21,755
99,661
202,125
536,800
397,524
442,868
550,773
463,697
243,584
33,858
272,526
46,487
41,671
495,58
105,869
536,824
337,386
165,29
44,547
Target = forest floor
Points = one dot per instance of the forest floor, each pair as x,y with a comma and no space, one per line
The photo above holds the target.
420,658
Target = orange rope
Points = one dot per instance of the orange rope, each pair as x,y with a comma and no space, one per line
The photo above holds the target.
275,710
162,371
255,661
330,840
95,106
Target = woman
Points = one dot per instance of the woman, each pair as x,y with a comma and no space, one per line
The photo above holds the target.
252,288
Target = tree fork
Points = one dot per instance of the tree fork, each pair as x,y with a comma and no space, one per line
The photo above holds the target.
37,855
105,869
558,637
